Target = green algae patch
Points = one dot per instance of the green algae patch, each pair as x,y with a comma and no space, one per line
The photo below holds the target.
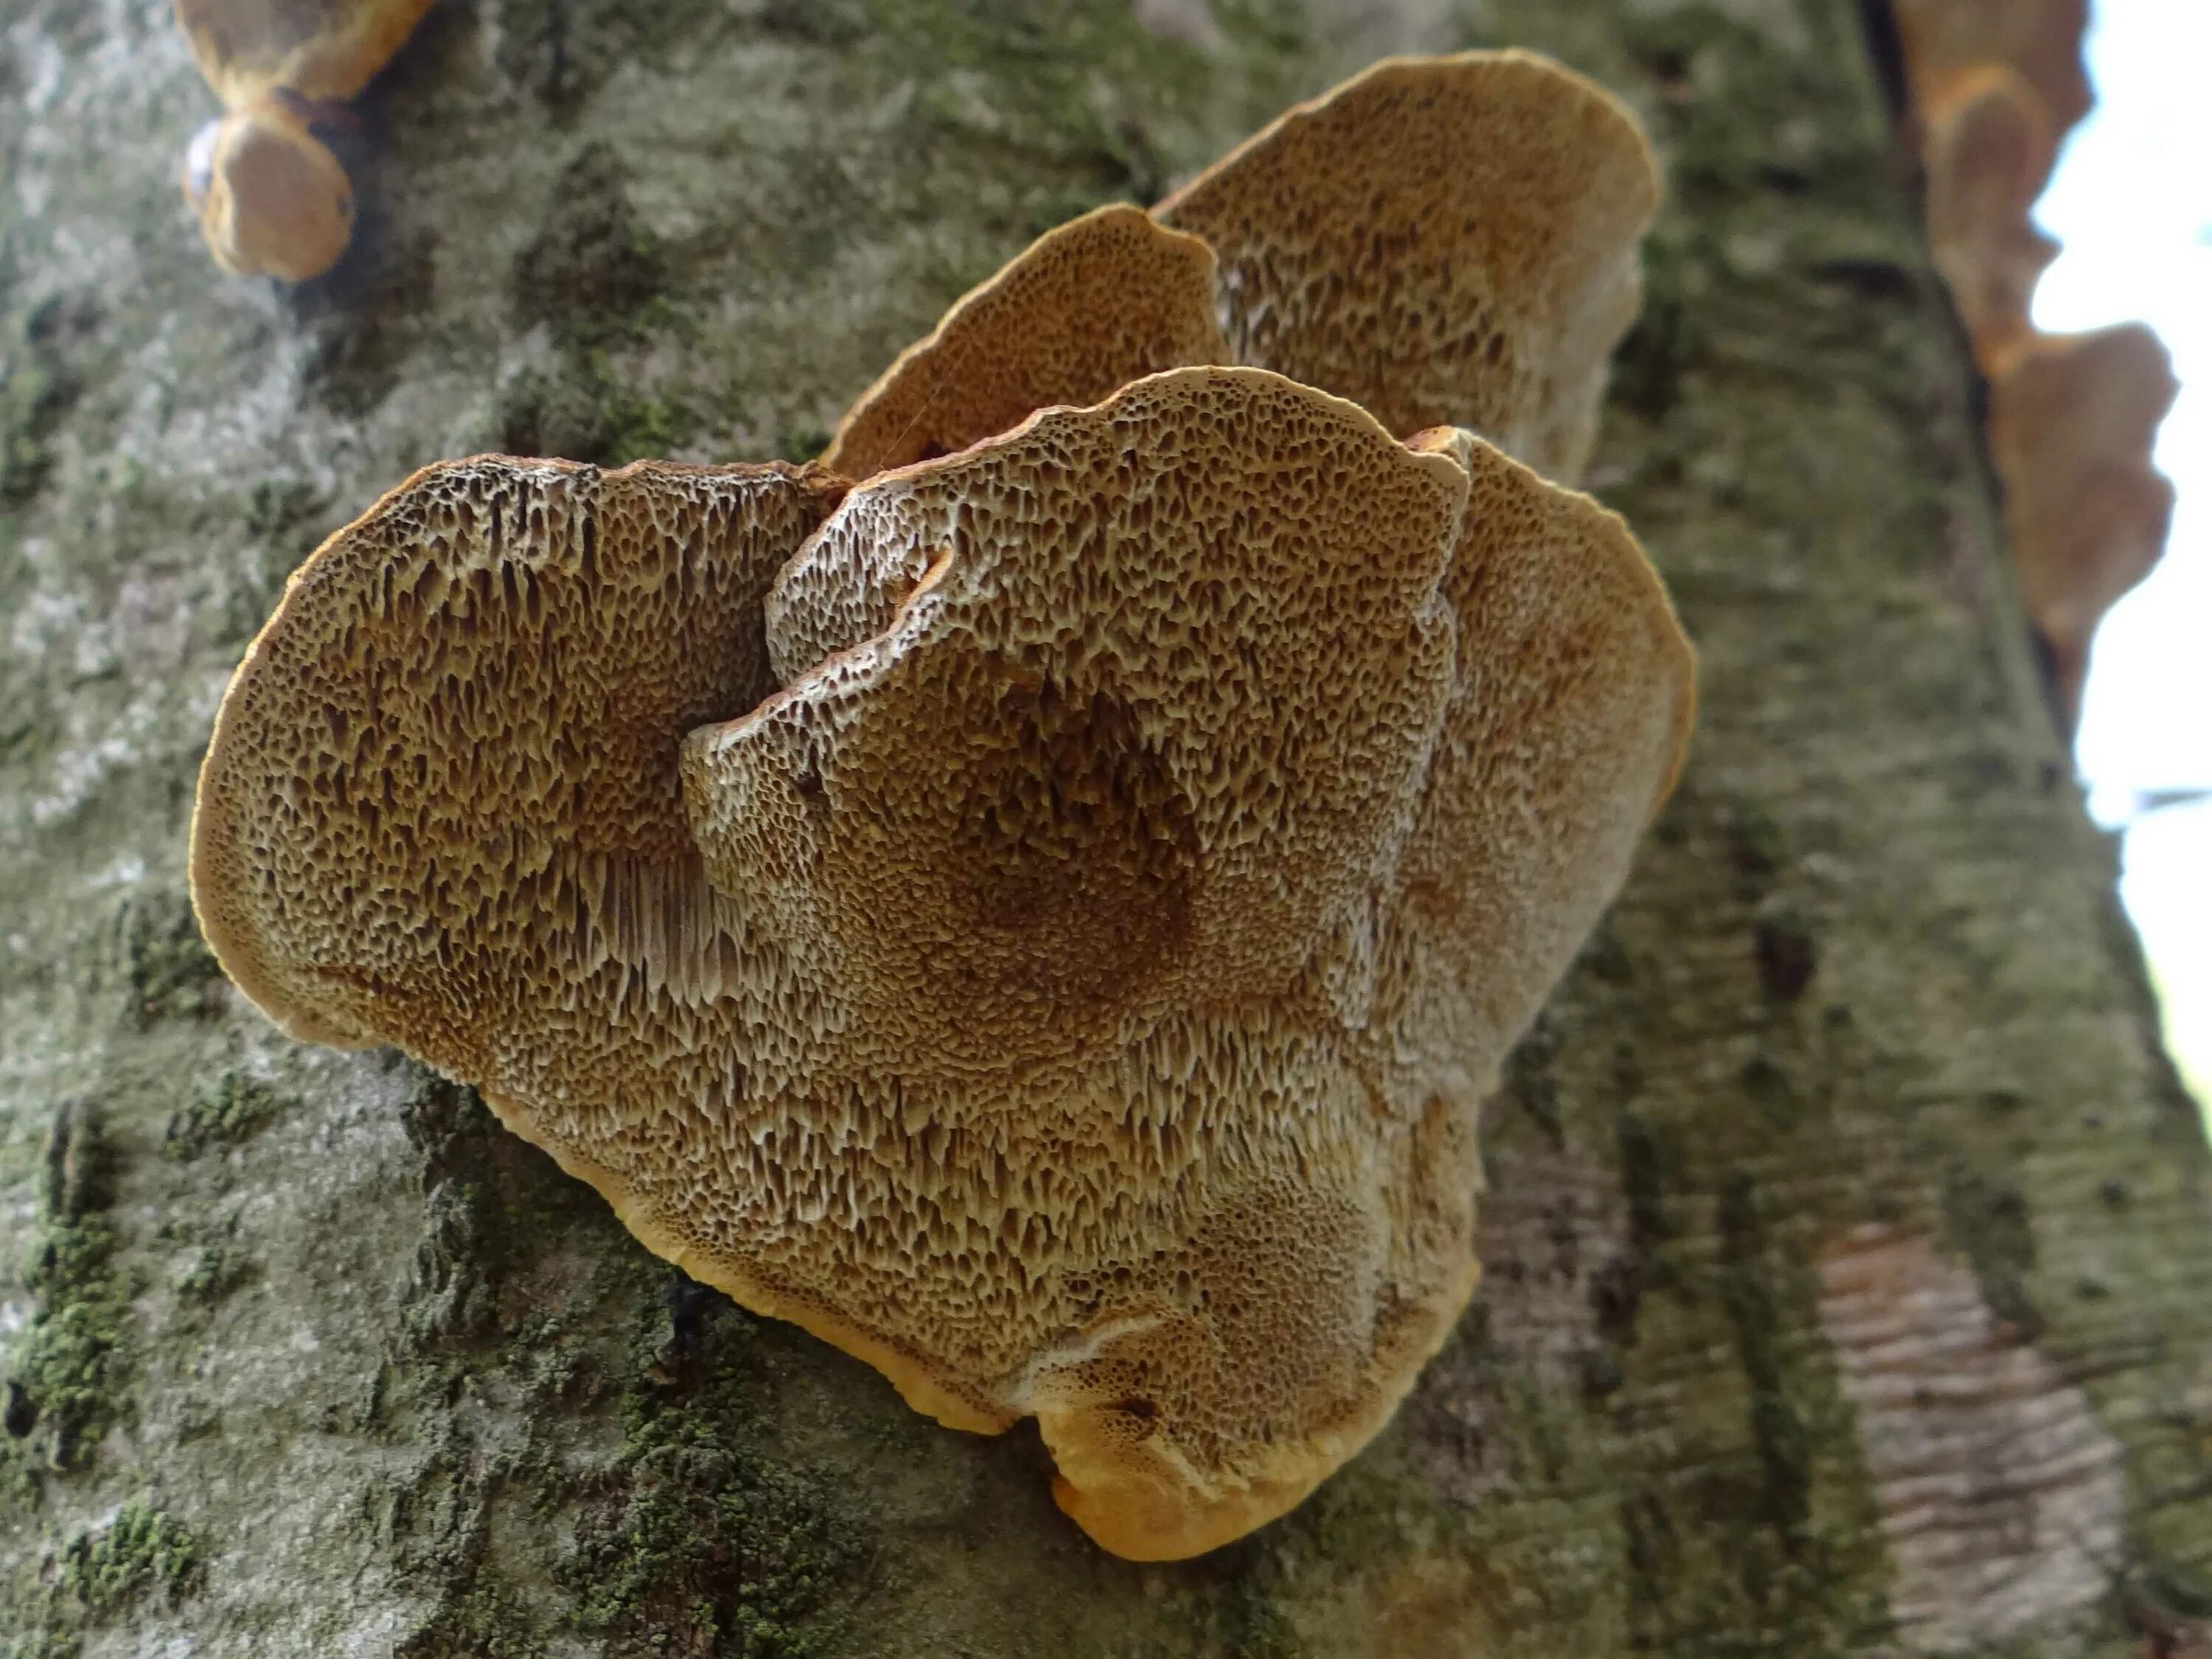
1986,1220
585,412
142,1551
165,968
67,1385
228,1111
98,1578
593,265
38,388
654,1483
700,1536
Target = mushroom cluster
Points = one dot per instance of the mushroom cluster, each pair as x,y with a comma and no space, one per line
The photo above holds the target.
1040,898
271,197
1994,85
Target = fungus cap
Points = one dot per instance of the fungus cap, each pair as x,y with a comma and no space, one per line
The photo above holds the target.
319,49
271,198
1071,989
2040,40
1447,241
1100,302
1989,151
2072,421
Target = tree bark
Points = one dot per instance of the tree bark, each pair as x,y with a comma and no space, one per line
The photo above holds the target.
1845,1229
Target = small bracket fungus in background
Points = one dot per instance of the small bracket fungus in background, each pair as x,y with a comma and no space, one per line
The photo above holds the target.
271,197
2072,421
1946,42
1044,918
1994,85
1988,151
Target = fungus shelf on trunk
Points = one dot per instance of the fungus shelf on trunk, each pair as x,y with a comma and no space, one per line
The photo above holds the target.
1044,918
270,196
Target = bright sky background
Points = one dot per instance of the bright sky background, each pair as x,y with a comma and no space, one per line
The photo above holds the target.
2132,202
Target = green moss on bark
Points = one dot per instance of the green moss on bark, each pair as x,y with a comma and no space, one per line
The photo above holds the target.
227,1111
67,1385
164,969
141,1551
701,1535
699,1530
97,1579
37,388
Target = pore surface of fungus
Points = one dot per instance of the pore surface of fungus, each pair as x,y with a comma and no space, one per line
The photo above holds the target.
1090,306
1052,939
1446,241
474,846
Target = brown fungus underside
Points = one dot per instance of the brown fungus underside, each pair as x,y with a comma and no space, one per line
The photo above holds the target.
1445,241
1045,918
1074,997
1088,308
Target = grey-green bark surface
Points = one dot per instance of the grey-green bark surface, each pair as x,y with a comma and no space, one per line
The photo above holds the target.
1846,1230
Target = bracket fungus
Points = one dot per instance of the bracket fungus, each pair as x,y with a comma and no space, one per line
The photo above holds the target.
1089,307
1944,41
271,197
1044,918
1989,150
1446,241
2072,418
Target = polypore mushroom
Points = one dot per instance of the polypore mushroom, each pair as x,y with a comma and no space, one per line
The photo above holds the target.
475,847
2071,418
1067,976
2040,40
1989,148
271,197
2072,421
1093,305
1447,241
325,50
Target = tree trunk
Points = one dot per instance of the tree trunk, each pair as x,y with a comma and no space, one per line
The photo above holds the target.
1845,1239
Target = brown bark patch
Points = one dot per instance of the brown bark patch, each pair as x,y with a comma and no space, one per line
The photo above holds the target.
1552,1238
